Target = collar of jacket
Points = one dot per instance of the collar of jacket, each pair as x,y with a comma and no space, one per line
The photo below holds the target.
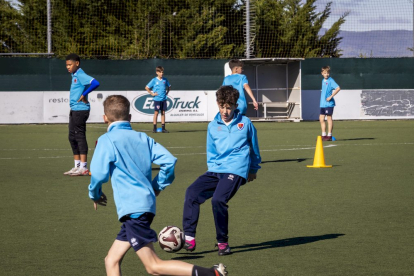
120,125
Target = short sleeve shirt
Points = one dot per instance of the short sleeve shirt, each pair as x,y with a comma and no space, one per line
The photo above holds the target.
238,81
159,87
80,82
328,86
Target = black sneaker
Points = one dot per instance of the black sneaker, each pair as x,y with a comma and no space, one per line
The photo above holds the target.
190,245
223,249
165,131
154,131
220,269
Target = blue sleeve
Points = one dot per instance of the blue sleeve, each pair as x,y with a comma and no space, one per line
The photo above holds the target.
244,80
150,84
100,166
94,84
255,158
334,85
167,83
162,157
84,79
211,148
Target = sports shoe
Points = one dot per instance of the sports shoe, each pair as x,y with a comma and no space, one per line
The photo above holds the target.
154,131
71,171
223,249
220,269
190,245
165,131
328,138
80,172
324,138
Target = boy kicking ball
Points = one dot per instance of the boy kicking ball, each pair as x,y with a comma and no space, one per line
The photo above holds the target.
233,159
127,156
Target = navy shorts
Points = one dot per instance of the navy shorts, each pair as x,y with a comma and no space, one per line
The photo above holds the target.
160,105
326,110
137,231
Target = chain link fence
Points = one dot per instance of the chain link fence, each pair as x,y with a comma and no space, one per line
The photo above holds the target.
180,29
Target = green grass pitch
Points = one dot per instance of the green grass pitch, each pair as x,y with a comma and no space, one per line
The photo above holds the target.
353,219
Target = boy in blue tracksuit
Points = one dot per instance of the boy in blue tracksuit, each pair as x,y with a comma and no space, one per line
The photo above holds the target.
81,86
329,89
233,159
126,156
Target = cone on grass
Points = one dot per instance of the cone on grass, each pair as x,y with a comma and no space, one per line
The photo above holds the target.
319,159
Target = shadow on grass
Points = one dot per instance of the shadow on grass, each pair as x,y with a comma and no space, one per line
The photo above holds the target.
285,160
268,245
355,139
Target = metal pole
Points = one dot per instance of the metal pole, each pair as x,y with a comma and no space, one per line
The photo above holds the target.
49,27
247,28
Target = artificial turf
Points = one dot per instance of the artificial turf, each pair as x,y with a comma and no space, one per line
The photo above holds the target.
352,219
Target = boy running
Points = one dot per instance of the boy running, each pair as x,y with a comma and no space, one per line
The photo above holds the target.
127,156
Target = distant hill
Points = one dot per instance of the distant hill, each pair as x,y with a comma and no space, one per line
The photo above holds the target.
376,43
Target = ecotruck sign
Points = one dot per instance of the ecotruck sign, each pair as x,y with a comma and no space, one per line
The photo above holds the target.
182,106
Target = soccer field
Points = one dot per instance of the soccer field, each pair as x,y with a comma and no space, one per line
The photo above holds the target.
353,219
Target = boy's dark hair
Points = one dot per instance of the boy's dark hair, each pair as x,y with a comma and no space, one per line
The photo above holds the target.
326,68
227,95
235,63
116,108
73,57
159,69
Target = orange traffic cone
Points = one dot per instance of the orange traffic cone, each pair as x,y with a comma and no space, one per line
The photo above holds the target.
319,159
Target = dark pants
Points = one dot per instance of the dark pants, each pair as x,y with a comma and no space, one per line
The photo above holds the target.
77,131
221,187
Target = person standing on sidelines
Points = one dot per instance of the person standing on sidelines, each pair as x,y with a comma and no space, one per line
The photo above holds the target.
159,87
329,89
81,86
239,81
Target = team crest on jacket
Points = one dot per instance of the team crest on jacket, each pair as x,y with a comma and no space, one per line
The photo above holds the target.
240,126
75,80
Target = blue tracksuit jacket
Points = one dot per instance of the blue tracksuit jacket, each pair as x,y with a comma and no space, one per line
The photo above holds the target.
126,156
233,148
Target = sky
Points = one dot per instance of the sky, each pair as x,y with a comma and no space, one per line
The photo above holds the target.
368,15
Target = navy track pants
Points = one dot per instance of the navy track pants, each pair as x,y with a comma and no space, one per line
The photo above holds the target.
221,187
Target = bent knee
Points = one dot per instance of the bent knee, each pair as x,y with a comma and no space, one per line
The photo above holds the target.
153,269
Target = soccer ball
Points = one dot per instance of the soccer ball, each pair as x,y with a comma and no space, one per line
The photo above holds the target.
171,239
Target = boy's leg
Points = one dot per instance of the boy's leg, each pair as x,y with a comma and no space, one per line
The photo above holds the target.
163,117
115,256
154,121
196,194
226,189
330,123
156,266
322,121
71,136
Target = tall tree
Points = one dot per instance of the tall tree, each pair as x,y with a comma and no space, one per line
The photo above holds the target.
290,28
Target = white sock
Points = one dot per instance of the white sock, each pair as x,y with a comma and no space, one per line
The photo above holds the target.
329,134
323,133
189,238
84,165
77,163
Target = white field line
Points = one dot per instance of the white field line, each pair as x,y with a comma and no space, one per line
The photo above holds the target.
191,153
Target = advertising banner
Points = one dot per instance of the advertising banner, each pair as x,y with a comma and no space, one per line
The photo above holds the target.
21,107
182,106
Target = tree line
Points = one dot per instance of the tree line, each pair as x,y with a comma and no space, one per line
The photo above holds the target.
128,29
